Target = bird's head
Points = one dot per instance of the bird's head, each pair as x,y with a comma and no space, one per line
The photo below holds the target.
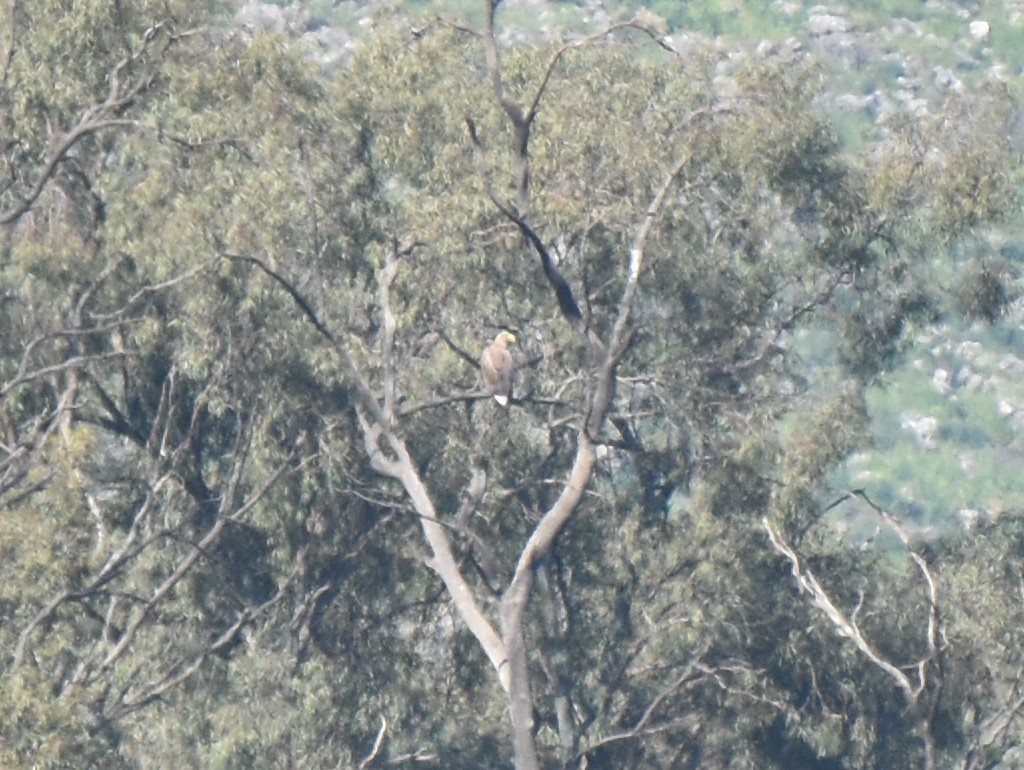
508,338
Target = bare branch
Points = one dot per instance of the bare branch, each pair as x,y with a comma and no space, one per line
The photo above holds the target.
643,726
522,120
93,119
521,123
172,679
847,627
130,548
458,350
69,363
636,256
187,563
151,289
400,467
583,43
563,292
471,396
378,744
844,626
366,393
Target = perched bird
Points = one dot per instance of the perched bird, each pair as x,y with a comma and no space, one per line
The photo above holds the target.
497,367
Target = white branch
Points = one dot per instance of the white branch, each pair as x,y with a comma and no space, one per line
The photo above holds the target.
387,280
843,625
377,745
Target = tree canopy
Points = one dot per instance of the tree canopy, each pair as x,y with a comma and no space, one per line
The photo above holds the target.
259,512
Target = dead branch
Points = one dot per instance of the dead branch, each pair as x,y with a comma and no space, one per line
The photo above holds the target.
398,464
563,292
93,119
199,549
847,627
692,672
378,744
844,626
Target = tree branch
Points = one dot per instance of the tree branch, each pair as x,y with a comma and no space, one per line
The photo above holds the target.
193,556
93,119
844,627
173,678
847,627
563,292
378,744
400,467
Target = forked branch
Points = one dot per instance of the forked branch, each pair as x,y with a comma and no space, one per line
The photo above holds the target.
929,670
100,116
397,463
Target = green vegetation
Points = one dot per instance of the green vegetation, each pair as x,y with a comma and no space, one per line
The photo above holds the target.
258,512
759,20
944,440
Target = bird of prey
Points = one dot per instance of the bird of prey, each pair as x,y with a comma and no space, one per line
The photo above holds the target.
497,367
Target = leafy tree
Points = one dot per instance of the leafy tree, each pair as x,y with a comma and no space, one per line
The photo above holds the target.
260,514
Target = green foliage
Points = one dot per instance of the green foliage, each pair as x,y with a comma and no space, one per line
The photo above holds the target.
983,293
944,430
201,565
759,20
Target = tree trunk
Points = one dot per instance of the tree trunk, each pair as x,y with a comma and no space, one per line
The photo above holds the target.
520,696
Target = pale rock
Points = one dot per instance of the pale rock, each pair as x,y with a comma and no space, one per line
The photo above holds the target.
968,517
947,80
820,24
923,427
980,29
1006,407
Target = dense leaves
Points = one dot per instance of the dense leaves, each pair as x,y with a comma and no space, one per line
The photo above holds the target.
234,291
